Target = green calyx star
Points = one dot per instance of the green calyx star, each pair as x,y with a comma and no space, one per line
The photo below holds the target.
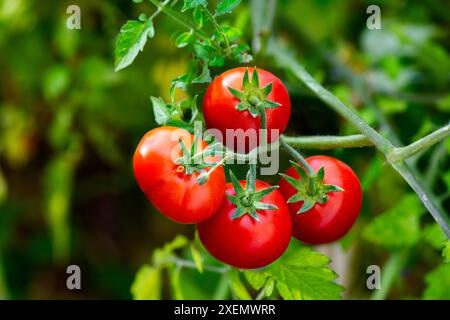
252,98
192,160
310,189
247,199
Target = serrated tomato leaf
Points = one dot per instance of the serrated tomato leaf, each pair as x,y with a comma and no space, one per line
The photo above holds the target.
302,274
131,40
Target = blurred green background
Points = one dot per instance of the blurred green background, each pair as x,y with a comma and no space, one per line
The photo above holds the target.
69,125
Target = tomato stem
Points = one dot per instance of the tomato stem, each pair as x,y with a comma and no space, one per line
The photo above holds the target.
297,156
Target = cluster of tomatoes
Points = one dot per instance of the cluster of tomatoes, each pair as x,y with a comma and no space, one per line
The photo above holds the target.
248,223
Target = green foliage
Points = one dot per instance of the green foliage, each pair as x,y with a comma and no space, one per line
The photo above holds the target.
438,283
132,38
434,236
446,251
226,6
147,283
301,274
397,228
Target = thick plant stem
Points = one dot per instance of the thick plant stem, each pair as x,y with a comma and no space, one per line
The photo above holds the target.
329,142
402,153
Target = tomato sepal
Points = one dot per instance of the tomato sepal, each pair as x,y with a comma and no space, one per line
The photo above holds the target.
247,199
252,97
310,188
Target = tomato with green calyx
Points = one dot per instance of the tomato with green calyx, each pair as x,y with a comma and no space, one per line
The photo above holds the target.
323,207
252,227
234,102
168,174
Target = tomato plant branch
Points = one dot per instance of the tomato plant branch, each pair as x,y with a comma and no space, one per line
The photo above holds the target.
402,153
329,142
217,28
287,62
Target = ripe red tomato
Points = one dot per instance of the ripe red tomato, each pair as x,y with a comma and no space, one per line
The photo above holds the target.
330,221
220,107
245,242
167,185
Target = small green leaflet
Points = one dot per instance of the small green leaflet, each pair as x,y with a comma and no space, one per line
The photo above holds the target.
226,6
147,284
196,256
300,274
399,227
184,39
191,4
132,38
438,283
160,110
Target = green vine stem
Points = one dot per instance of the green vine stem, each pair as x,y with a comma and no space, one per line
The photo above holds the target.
297,156
402,153
217,28
287,62
329,142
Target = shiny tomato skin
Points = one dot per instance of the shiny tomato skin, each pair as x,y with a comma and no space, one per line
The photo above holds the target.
173,192
244,242
219,105
330,221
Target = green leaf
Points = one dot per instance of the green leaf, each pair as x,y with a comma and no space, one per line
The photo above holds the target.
147,284
197,258
204,77
197,17
56,80
434,236
184,39
160,110
131,39
237,286
226,6
300,274
161,254
240,53
191,4
231,33
397,228
256,279
175,274
438,283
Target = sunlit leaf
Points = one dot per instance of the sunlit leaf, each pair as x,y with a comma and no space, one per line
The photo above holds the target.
132,38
